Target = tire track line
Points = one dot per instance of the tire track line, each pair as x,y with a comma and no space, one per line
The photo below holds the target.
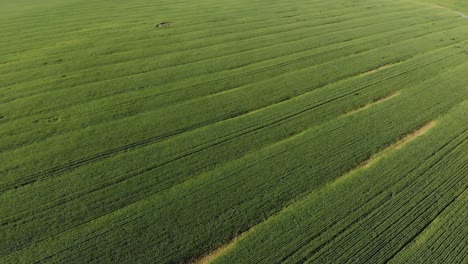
103,155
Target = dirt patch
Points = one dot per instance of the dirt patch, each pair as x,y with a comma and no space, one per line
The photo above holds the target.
163,24
47,120
378,69
415,134
378,101
374,159
399,144
208,258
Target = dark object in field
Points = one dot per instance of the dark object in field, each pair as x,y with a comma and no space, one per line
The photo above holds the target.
163,24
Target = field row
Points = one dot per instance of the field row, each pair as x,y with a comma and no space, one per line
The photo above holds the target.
445,236
181,118
118,27
307,131
209,60
372,213
184,37
355,137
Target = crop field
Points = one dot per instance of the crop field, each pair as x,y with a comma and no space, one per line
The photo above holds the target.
264,131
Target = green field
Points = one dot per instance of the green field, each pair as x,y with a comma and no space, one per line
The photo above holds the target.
302,131
455,5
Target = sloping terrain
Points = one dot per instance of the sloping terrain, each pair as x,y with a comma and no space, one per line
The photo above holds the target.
455,5
242,132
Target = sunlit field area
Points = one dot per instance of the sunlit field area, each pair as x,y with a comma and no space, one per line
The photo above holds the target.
247,131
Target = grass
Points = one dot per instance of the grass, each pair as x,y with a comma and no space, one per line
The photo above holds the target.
455,5
244,132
